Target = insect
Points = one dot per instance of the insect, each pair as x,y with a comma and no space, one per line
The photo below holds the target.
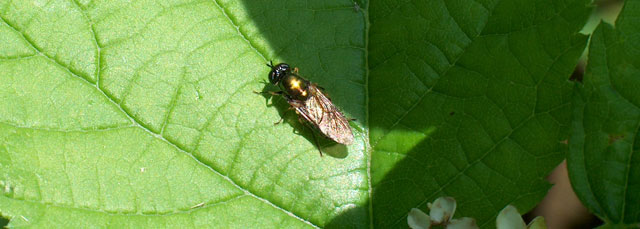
310,102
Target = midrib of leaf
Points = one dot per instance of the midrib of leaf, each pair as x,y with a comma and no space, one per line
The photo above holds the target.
626,174
584,163
65,131
368,148
628,165
139,124
235,25
203,207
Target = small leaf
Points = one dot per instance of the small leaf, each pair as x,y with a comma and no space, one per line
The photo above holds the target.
603,160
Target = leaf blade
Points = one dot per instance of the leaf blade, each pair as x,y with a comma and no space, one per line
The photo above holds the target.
602,164
142,80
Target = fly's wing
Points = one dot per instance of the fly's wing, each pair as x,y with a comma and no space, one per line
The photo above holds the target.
321,112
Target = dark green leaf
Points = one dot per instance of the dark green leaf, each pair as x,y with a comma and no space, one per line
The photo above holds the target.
603,161
468,99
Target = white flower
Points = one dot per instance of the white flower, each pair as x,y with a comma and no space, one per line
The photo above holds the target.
442,209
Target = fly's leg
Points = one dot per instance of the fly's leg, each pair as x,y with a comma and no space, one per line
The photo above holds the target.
295,70
269,92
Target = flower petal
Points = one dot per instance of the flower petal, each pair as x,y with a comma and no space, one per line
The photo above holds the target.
510,218
417,219
463,223
442,209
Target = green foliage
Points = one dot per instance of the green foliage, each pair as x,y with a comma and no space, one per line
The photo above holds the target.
142,113
603,159
471,101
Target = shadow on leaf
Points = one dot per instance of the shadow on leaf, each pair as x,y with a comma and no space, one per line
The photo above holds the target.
476,112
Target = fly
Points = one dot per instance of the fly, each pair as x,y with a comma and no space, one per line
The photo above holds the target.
310,103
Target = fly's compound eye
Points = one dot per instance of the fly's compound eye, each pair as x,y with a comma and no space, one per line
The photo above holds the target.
283,67
277,72
274,76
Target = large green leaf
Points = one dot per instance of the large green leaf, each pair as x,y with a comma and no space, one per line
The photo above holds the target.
603,161
142,113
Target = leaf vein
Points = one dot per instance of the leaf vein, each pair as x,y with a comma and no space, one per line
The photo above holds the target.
143,127
237,27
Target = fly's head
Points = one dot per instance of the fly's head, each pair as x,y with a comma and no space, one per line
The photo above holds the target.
278,72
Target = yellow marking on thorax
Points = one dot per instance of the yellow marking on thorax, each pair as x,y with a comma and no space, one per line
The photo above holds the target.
295,84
